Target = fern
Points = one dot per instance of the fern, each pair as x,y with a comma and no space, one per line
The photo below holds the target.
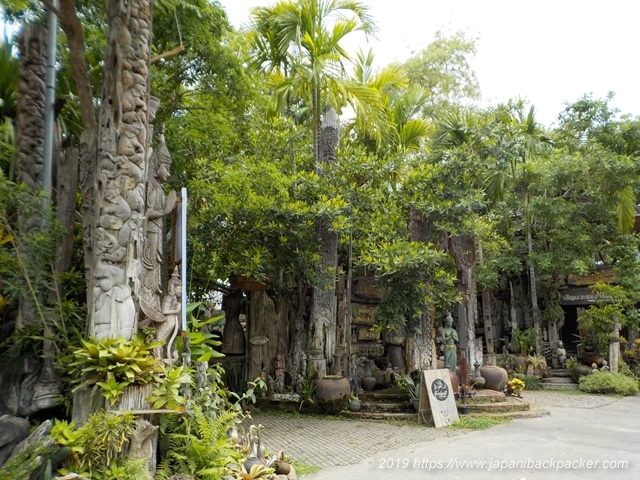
198,445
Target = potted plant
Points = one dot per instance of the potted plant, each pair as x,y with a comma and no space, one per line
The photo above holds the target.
524,344
514,387
538,365
412,388
466,391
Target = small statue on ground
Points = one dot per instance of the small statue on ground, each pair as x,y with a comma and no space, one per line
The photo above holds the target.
562,353
280,368
449,339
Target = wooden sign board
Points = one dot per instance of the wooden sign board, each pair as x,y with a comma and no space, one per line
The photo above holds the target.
437,398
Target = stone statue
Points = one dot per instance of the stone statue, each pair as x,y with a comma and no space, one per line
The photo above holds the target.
158,205
562,353
171,308
450,339
280,368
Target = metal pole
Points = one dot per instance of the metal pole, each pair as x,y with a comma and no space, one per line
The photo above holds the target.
183,261
49,101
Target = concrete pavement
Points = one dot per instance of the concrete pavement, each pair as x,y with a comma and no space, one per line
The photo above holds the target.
570,443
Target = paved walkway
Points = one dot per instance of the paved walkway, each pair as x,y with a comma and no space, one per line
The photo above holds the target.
335,443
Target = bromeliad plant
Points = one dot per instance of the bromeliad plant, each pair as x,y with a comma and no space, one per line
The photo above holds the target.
110,365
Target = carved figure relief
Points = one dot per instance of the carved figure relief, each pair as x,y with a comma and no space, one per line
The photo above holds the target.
119,182
31,94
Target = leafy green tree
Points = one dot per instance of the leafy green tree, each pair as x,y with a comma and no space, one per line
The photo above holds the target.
443,70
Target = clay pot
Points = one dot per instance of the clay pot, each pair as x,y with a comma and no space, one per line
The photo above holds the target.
333,393
282,468
579,370
355,405
369,383
478,382
519,361
495,377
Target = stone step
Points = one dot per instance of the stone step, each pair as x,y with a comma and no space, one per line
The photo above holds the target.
372,406
559,386
486,396
559,372
378,415
497,407
388,395
557,380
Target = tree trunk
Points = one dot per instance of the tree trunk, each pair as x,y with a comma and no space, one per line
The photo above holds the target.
463,251
233,337
486,312
66,187
268,332
117,214
535,311
420,348
322,339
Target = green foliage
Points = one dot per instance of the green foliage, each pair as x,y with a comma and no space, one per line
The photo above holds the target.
201,343
531,381
415,277
29,462
599,320
111,364
608,382
170,383
97,447
526,340
443,70
477,423
302,469
198,445
308,391
630,352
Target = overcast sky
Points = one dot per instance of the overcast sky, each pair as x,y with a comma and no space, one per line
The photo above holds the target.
546,51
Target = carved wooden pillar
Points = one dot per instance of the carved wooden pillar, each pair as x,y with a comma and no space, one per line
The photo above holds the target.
121,174
30,107
324,312
30,136
420,348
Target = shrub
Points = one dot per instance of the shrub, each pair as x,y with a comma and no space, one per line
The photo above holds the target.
608,382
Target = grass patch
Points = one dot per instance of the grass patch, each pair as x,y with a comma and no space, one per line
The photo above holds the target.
477,423
303,468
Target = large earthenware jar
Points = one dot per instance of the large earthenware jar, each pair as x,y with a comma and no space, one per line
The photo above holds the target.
333,393
580,370
495,377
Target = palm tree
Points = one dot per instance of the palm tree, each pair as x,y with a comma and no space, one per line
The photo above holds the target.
387,111
298,44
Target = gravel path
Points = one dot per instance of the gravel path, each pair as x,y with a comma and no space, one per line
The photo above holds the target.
550,398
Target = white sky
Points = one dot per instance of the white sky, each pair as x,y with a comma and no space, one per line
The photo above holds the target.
546,51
